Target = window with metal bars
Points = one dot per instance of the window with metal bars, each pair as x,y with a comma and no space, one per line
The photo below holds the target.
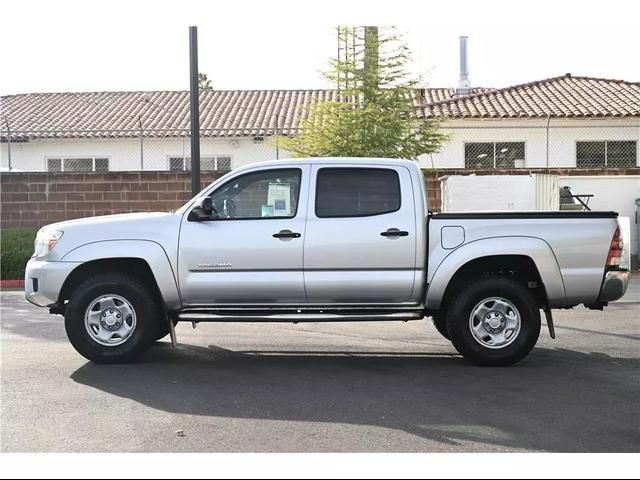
494,154
607,153
77,164
207,163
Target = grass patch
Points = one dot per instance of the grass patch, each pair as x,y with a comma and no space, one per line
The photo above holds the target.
16,247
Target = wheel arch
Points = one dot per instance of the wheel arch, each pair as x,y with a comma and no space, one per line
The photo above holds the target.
145,259
526,258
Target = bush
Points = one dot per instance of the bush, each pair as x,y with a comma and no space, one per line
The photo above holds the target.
16,247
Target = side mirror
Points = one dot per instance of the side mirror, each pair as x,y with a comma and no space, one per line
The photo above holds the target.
203,210
206,204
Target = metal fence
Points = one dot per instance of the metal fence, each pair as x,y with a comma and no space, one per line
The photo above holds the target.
593,144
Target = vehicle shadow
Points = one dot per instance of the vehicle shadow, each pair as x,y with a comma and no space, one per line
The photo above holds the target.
555,400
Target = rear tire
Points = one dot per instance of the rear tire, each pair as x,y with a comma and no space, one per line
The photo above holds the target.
112,318
494,321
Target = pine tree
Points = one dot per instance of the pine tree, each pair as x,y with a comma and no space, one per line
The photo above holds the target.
374,114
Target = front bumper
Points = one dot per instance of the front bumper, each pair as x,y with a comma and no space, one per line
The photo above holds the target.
614,285
43,280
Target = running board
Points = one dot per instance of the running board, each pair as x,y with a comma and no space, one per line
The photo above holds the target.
299,317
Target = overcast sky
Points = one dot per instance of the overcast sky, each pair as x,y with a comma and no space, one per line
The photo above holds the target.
54,46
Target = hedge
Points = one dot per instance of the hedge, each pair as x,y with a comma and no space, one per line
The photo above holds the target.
16,247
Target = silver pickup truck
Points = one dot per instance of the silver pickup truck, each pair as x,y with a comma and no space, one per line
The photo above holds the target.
324,240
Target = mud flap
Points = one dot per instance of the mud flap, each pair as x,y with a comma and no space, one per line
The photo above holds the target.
172,332
549,317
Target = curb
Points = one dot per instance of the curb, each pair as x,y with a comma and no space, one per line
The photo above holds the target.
11,284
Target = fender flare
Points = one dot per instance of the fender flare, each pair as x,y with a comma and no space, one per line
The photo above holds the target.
533,247
151,252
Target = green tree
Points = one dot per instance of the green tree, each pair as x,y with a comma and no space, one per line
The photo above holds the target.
203,82
374,114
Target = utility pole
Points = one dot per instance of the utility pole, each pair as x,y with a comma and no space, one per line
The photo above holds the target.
195,111
6,121
141,143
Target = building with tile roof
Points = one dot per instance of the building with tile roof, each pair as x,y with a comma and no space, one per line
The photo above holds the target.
566,121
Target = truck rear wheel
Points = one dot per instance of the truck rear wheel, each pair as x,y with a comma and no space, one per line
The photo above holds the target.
112,318
494,321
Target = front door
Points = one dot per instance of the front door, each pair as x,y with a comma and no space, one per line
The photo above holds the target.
360,242
250,251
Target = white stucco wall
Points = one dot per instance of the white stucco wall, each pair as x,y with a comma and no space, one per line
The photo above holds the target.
124,153
563,135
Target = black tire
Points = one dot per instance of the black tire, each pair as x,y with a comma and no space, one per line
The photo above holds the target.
460,308
145,305
440,322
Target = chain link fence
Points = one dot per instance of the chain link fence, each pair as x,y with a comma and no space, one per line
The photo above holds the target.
602,144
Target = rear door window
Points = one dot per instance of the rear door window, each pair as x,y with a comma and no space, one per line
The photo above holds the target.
356,192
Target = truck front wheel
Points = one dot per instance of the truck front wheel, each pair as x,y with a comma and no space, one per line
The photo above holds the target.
440,322
112,318
494,321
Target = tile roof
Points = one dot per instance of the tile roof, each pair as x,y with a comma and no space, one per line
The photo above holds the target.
566,97
267,112
162,113
166,113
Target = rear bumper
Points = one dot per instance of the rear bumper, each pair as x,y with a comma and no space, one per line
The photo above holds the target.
43,280
614,285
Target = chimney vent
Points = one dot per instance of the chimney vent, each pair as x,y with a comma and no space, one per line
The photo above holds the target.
464,86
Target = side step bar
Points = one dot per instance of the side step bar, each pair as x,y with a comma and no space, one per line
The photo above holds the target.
298,317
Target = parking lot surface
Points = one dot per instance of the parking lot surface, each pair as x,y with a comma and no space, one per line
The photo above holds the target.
362,387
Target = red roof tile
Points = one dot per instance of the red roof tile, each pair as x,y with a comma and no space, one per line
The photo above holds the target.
166,113
566,97
268,112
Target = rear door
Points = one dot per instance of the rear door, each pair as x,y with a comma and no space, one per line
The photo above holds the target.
360,242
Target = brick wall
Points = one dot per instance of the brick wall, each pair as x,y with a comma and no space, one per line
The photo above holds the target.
36,199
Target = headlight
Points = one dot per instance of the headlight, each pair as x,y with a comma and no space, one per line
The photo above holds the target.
45,241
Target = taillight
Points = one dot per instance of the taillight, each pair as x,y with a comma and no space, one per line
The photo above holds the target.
615,251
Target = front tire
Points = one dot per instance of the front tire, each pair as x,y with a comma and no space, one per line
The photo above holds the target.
440,322
494,321
112,318
163,329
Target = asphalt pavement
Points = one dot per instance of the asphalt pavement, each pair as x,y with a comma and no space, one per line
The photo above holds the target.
362,387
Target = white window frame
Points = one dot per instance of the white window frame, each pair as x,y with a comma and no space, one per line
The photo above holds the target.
62,159
495,142
606,151
215,158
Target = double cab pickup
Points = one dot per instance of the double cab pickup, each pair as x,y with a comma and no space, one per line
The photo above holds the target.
325,240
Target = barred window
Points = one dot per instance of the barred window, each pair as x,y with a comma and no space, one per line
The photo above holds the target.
77,164
207,164
619,154
494,154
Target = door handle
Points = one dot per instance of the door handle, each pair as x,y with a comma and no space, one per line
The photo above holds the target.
394,232
286,234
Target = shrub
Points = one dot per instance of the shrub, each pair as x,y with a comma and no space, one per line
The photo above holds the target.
16,247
